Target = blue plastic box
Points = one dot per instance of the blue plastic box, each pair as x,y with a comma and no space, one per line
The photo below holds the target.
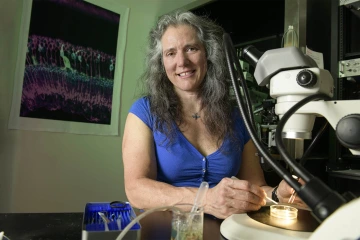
94,227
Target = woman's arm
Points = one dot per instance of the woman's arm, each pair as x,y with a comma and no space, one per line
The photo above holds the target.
144,191
232,196
140,170
251,170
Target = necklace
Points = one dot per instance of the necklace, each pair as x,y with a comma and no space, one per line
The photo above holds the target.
195,116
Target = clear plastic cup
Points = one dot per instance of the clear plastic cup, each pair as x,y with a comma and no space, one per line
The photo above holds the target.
187,225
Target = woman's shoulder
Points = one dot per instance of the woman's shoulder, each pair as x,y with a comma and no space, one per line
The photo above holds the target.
236,114
141,108
240,126
237,118
142,102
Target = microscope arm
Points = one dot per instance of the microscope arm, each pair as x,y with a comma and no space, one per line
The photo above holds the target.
343,116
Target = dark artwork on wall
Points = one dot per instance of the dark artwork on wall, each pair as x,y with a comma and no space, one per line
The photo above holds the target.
70,62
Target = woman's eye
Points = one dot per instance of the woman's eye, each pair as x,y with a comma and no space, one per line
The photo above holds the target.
191,49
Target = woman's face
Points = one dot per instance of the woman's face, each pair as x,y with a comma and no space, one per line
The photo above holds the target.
184,58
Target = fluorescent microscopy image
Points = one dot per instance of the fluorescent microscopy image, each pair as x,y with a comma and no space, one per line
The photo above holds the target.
70,62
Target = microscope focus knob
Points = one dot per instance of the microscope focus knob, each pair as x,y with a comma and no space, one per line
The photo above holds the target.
306,78
348,131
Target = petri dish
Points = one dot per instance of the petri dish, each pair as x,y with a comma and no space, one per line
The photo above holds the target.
283,212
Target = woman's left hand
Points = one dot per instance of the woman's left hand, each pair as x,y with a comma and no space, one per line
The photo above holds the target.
284,193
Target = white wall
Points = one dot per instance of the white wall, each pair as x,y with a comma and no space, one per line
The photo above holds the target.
61,172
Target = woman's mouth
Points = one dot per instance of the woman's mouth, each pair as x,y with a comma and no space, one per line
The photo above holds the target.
184,74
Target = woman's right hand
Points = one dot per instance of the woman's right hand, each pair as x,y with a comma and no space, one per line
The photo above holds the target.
232,196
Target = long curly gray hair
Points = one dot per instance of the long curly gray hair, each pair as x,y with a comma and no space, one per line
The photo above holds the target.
214,90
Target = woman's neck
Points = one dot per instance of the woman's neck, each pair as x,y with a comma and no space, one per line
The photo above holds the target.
191,106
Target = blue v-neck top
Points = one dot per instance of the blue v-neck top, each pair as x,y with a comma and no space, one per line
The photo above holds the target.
181,164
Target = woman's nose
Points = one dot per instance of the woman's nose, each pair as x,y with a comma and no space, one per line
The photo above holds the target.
182,59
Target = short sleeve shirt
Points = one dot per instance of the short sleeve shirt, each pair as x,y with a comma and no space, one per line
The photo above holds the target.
181,164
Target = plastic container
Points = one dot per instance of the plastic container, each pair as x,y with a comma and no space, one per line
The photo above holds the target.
283,212
119,214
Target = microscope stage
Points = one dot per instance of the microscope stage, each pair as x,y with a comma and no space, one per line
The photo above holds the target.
260,225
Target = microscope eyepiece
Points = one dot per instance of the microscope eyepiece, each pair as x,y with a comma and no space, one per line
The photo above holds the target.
251,55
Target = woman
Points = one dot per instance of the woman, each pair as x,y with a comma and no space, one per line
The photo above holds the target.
185,130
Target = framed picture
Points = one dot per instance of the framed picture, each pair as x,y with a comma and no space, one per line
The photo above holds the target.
70,66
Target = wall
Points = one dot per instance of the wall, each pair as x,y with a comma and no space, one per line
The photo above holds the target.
61,172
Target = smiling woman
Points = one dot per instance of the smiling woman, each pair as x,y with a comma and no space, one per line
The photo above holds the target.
184,131
184,58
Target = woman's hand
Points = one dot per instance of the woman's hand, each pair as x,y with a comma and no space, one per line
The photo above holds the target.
284,192
232,196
